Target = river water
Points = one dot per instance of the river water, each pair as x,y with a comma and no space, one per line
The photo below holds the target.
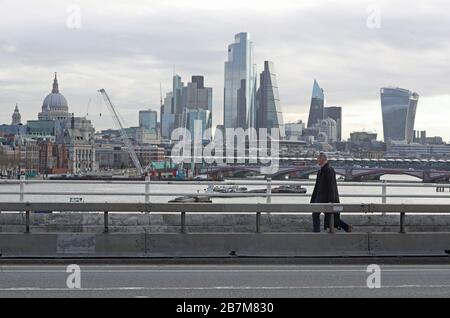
158,189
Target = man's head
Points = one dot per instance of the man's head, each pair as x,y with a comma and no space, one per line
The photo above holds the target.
322,159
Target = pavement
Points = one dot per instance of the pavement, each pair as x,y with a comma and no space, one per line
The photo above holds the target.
223,280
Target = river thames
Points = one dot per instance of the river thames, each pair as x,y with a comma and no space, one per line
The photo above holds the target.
113,191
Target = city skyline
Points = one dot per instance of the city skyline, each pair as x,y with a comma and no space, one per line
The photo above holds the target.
132,72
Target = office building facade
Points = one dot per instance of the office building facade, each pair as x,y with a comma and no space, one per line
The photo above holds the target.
398,108
240,84
268,107
317,105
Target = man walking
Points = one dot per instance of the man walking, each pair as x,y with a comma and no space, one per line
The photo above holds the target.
326,191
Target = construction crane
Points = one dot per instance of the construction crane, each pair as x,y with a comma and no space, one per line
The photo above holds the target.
126,140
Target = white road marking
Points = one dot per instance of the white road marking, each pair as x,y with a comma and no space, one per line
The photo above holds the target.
217,288
226,270
229,265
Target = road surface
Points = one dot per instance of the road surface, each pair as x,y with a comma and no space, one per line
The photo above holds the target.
224,281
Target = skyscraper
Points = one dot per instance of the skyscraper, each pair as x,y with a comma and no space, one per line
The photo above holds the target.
178,104
240,83
335,113
317,104
177,108
268,108
196,96
398,108
201,115
167,116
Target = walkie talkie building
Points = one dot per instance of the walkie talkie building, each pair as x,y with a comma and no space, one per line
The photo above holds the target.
398,108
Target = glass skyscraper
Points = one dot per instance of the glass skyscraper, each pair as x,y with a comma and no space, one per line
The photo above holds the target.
177,106
202,115
182,99
268,108
317,104
240,84
398,108
196,96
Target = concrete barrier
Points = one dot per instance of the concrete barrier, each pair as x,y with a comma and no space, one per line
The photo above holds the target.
249,244
409,243
221,244
71,244
18,244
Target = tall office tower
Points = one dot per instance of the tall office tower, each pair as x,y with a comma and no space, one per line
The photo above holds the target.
317,104
268,108
167,117
200,115
182,99
335,112
148,120
240,84
197,104
177,100
398,108
196,96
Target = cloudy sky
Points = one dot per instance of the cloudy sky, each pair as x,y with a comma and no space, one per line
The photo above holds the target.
129,47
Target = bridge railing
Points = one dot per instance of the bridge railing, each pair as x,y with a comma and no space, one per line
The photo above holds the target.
149,187
222,208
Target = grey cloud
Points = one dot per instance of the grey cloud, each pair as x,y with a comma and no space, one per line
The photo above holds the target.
132,53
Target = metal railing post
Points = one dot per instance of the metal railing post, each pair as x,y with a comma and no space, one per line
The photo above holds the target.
402,222
22,190
383,194
27,222
269,190
105,222
258,222
147,191
332,223
183,222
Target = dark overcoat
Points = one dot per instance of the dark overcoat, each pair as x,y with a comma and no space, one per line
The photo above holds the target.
325,189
